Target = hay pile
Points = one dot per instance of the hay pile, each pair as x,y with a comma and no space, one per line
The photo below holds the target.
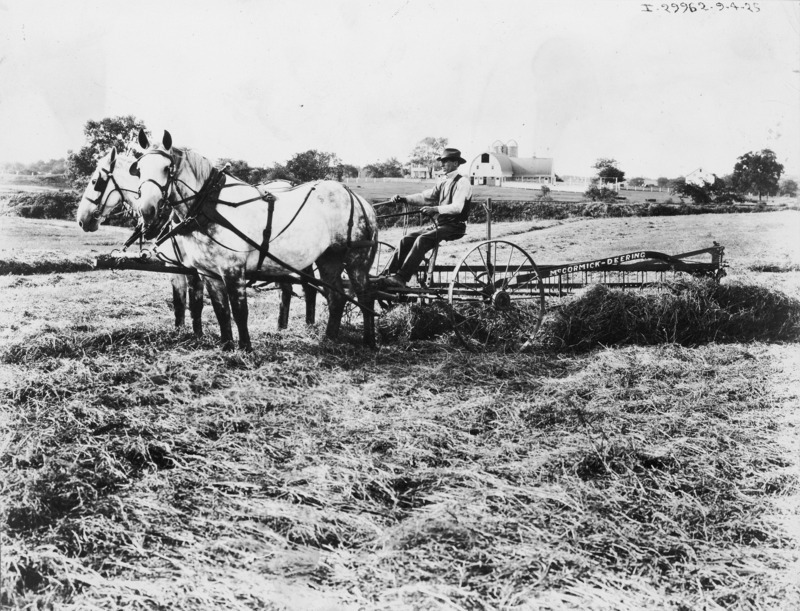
417,321
689,313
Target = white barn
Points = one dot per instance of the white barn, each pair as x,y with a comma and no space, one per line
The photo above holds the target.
502,165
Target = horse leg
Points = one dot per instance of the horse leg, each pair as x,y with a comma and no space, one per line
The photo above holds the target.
330,265
236,287
310,294
286,302
358,264
179,285
196,303
222,309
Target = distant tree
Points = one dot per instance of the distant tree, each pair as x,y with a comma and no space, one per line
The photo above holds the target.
636,182
427,152
312,165
373,170
602,194
100,137
757,173
675,184
238,168
258,175
349,171
717,192
391,168
280,172
544,194
607,171
662,182
789,187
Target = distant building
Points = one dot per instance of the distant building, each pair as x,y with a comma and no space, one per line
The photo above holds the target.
501,164
418,171
700,177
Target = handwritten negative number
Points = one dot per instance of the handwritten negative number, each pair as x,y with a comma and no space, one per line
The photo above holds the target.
694,7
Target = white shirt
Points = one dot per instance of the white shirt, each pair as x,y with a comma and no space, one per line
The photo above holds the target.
441,191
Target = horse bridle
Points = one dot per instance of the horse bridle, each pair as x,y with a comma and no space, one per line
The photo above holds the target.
163,189
162,211
100,186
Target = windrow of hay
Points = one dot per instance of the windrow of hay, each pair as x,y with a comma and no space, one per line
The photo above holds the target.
57,264
689,312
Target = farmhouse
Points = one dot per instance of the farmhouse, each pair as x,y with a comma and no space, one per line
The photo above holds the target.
500,164
418,171
700,177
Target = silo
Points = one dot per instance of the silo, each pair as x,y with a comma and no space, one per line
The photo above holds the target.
513,148
499,148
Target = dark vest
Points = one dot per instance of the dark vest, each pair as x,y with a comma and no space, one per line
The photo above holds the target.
453,219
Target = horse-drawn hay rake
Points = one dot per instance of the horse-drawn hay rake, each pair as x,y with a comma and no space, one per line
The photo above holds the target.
496,294
505,291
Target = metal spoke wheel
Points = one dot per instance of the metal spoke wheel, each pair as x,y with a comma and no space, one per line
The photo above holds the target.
496,296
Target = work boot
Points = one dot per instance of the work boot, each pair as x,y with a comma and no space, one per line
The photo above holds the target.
394,281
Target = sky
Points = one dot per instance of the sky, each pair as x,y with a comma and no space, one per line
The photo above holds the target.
662,92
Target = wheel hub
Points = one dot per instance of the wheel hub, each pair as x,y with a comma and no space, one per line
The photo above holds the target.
501,300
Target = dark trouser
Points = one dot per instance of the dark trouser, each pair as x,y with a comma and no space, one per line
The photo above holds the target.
412,248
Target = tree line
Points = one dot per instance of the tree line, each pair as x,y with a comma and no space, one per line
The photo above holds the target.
309,165
52,166
756,172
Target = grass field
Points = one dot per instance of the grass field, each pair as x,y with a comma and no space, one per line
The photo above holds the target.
142,468
381,190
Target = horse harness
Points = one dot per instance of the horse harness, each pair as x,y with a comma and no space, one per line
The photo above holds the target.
203,212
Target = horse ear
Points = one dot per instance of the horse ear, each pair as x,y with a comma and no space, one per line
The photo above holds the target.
143,142
134,170
167,141
113,160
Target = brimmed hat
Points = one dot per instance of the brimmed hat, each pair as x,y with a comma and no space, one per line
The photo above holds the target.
454,154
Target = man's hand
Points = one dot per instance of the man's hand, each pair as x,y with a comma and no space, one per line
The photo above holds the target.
429,210
398,199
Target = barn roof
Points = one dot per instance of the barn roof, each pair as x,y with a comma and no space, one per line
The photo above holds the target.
518,166
505,164
524,166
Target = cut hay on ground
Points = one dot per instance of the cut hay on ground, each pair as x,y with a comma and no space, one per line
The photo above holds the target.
144,475
689,312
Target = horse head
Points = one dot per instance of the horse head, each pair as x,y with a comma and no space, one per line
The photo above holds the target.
155,171
105,190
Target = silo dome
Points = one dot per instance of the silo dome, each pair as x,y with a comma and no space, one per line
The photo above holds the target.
513,148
